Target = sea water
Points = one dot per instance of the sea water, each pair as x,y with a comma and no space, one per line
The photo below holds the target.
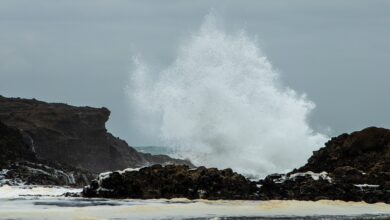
37,202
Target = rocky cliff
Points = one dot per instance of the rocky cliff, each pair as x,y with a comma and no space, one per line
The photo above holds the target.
74,136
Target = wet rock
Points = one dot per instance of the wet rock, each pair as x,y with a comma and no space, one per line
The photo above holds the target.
72,194
172,181
19,164
35,173
307,188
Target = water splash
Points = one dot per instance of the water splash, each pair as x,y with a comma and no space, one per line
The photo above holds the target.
221,104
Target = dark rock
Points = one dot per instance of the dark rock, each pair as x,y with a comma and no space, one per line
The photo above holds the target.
363,150
353,167
71,194
306,188
75,136
36,173
172,181
12,146
19,164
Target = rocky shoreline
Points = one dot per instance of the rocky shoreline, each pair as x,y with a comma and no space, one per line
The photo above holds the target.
58,144
351,167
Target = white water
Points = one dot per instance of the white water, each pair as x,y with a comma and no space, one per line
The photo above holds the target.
221,104
7,192
25,203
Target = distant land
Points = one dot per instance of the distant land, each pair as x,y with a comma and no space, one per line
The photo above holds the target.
155,150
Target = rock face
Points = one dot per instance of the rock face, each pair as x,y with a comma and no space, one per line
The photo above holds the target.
19,164
351,167
12,146
75,136
172,181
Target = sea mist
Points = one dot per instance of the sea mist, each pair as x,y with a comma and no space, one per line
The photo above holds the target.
221,104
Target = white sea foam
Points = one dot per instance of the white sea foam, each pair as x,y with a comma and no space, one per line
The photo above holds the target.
221,104
315,176
365,186
105,175
25,190
71,208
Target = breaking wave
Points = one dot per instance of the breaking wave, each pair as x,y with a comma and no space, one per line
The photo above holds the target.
221,104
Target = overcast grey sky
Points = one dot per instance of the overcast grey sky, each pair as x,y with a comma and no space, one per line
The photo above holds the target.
79,52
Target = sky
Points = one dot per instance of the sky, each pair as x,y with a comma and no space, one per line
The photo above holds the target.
79,52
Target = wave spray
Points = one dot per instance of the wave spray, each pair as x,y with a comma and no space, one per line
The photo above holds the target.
221,104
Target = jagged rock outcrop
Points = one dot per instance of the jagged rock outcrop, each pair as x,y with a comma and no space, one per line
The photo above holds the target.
364,153
351,167
75,136
172,181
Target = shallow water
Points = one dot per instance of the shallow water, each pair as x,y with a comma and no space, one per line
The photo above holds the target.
24,203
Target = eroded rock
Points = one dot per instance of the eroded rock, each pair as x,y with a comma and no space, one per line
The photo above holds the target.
75,136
